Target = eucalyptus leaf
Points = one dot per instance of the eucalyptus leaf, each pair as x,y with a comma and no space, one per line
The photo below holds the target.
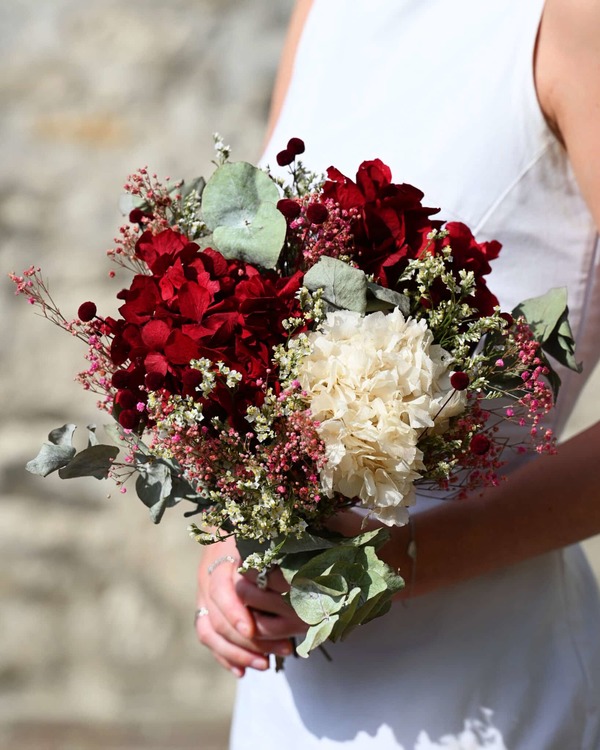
114,431
381,298
62,435
92,437
94,461
198,184
317,599
547,316
561,345
346,585
347,617
306,543
375,538
344,287
154,486
259,241
290,565
323,563
315,636
239,207
54,453
373,608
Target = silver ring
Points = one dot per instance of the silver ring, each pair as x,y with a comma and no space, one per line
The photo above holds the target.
200,612
261,579
215,563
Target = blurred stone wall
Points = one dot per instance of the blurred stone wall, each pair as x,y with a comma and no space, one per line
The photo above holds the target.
96,603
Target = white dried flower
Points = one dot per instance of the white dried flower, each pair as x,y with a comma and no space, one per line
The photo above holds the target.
375,383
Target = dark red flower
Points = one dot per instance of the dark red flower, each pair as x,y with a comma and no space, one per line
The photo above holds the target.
120,379
153,381
129,419
196,303
285,157
87,311
316,213
296,146
391,224
480,444
289,208
137,215
459,381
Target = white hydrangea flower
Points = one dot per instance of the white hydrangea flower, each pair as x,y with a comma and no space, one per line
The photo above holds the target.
375,382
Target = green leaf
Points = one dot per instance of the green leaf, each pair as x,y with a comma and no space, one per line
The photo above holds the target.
346,584
347,617
154,486
344,287
94,461
381,298
239,207
374,607
317,599
375,538
548,319
290,565
92,437
561,345
316,635
55,453
198,184
323,563
306,543
62,435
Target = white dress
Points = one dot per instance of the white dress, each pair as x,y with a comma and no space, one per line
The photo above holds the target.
443,92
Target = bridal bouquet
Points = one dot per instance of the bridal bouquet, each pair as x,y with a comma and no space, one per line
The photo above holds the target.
286,350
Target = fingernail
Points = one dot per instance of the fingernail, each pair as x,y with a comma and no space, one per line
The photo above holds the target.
237,672
284,650
259,664
244,629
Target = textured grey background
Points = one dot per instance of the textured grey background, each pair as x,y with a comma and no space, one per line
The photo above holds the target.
96,644
97,647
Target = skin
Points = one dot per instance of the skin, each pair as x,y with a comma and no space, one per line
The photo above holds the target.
548,504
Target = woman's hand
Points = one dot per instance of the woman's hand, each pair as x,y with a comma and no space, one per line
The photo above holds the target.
273,617
225,625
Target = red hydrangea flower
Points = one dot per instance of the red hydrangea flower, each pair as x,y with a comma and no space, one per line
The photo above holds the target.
392,228
196,304
392,225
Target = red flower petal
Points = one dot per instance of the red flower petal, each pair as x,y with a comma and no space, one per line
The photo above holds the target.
180,349
155,334
156,363
193,300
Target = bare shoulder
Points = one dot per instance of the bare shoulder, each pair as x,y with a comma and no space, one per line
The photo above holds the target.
568,55
568,83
